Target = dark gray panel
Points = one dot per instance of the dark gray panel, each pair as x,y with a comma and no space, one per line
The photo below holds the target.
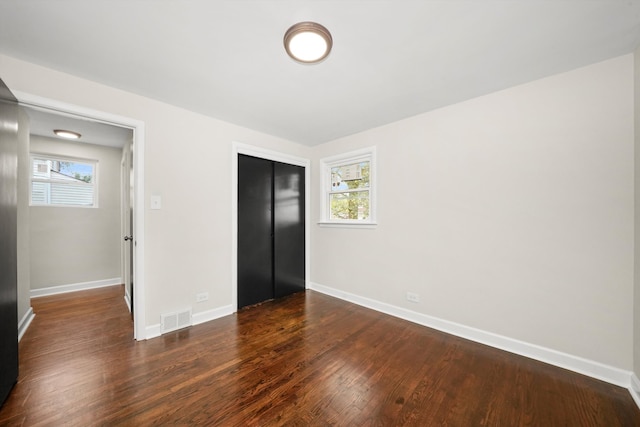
289,226
8,236
255,232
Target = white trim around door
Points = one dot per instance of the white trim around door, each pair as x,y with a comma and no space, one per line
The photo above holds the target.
139,321
263,153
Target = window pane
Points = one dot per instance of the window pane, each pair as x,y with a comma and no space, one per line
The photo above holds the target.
40,169
62,182
353,205
348,187
40,193
65,194
348,177
55,193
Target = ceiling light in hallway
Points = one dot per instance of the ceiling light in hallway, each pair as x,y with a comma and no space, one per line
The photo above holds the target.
67,134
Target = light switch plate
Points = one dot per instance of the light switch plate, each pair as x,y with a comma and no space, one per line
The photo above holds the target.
156,202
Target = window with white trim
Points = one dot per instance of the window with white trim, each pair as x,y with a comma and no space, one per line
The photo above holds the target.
58,181
348,196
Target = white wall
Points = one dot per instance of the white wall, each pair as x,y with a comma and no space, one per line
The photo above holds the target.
188,241
511,213
71,245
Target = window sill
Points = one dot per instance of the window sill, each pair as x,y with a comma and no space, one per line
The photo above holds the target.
336,224
44,205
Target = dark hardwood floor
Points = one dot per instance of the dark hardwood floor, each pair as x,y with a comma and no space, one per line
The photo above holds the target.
307,360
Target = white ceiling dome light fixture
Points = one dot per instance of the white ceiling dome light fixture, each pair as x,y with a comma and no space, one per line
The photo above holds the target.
308,42
67,134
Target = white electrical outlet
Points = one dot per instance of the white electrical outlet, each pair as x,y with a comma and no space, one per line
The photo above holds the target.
202,296
413,297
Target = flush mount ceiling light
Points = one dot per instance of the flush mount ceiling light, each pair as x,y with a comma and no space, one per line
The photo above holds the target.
308,42
67,134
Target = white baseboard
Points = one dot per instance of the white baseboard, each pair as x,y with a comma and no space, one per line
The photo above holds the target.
213,314
577,364
127,300
24,323
62,289
634,389
154,331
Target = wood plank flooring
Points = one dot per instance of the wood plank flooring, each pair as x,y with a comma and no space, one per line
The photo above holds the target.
306,360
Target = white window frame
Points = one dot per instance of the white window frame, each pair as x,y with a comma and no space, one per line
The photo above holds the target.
54,157
326,164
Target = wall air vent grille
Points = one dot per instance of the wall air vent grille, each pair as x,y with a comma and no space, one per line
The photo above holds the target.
174,321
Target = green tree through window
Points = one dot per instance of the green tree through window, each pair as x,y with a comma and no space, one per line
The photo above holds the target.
350,191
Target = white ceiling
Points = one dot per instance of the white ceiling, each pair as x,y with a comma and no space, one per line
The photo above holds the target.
391,59
43,123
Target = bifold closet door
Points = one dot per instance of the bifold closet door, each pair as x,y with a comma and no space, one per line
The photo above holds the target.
288,229
255,230
271,237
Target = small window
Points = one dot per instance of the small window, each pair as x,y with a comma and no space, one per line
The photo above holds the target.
348,196
62,182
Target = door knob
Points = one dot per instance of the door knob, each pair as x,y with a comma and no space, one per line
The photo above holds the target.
126,238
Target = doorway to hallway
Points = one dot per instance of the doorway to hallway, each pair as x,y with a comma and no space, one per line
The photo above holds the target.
137,189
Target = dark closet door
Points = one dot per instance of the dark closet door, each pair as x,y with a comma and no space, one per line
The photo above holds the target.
255,230
271,255
288,221
8,236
